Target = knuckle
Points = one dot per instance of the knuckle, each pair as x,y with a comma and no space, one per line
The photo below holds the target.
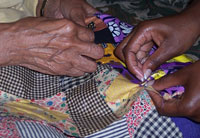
70,26
91,35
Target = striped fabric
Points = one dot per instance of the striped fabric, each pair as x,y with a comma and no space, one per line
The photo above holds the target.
37,130
117,129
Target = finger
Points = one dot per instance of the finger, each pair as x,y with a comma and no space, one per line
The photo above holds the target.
86,34
90,10
169,107
73,72
90,19
162,54
170,80
119,50
85,64
140,39
134,66
144,51
78,15
90,50
37,68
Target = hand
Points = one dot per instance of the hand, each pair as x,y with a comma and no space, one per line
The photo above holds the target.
57,47
173,35
76,10
189,103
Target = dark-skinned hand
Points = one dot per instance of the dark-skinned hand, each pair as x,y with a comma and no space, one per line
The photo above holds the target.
51,46
188,105
173,35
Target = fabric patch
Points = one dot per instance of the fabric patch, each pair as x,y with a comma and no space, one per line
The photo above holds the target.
121,95
8,128
156,126
70,82
26,83
37,130
118,29
118,129
108,54
103,36
67,83
140,108
104,80
56,102
88,110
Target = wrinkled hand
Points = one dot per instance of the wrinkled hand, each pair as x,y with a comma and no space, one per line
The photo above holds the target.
173,36
75,10
189,103
57,47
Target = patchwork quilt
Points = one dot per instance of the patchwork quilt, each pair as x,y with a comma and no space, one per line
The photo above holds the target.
109,103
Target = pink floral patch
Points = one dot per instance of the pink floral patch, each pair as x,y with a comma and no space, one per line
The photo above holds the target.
8,128
56,102
140,108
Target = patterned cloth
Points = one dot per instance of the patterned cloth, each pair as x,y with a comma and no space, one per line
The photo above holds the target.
37,130
135,11
82,107
27,83
152,126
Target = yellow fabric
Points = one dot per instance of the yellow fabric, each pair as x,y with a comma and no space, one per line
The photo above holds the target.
121,89
35,111
182,58
13,10
109,51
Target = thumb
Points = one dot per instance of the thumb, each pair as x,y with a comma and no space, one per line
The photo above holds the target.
77,15
90,10
170,80
166,107
157,58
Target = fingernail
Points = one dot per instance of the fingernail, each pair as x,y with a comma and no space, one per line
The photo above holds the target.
147,73
140,78
150,83
143,60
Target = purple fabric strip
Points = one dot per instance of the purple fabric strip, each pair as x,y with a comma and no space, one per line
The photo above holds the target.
124,72
119,31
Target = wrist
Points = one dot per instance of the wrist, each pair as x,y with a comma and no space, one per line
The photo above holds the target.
7,44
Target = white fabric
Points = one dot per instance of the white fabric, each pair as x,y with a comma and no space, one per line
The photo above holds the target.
13,10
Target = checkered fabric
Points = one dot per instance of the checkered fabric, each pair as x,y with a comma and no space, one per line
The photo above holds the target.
156,126
28,84
88,109
71,82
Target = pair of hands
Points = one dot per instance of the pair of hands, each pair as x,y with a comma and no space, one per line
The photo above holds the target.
60,45
173,35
